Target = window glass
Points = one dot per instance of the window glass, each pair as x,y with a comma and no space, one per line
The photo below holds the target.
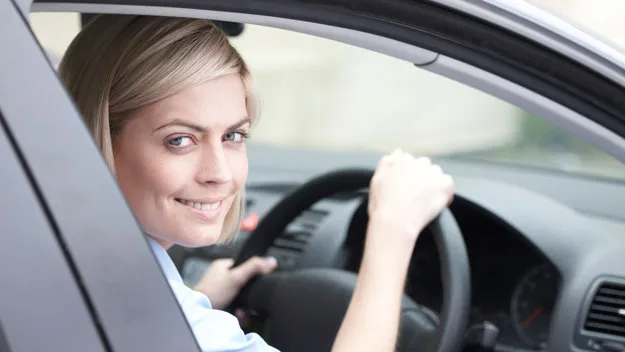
325,95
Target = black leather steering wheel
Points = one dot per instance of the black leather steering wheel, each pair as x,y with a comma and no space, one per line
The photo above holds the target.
305,307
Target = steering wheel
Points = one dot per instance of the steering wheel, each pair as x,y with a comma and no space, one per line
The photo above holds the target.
305,307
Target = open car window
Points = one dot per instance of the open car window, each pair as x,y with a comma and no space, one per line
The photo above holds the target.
321,94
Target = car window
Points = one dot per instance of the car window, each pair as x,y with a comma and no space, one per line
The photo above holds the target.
321,94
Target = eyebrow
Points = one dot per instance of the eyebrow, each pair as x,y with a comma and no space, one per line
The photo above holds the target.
198,128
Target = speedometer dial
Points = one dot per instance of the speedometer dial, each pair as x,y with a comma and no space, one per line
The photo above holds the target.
532,305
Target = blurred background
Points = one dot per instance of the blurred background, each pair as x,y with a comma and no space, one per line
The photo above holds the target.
325,95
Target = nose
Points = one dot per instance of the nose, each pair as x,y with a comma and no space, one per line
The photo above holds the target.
214,167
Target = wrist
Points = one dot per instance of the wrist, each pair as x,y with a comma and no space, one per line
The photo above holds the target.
388,249
390,235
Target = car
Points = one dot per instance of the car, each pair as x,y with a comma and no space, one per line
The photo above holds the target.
526,258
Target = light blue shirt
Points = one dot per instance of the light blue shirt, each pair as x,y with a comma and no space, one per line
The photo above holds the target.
214,330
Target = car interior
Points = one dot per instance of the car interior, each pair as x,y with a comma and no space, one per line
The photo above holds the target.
538,203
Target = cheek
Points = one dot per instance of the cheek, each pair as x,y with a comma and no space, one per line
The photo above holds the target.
146,175
237,161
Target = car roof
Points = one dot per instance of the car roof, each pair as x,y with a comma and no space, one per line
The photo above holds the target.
522,17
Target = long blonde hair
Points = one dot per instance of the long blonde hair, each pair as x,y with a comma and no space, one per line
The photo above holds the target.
119,63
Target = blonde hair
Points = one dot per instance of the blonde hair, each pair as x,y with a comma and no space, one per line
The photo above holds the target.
119,63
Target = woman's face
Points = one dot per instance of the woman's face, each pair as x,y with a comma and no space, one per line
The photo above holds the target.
181,161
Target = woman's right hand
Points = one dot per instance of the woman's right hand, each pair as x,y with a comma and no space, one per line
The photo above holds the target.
406,194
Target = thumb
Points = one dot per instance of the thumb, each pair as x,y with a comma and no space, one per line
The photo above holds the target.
252,267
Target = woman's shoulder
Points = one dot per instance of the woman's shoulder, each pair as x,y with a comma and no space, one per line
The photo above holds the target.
215,330
189,297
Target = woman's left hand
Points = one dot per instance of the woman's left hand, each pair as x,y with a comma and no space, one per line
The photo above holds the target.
221,283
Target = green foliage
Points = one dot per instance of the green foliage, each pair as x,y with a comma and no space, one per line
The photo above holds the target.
540,134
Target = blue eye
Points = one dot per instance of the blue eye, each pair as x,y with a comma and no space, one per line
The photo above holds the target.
180,142
236,137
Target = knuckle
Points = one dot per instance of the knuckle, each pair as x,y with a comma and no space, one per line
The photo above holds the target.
423,160
256,261
385,161
239,278
223,263
448,180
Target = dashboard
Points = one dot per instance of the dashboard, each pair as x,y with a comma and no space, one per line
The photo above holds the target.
514,287
523,249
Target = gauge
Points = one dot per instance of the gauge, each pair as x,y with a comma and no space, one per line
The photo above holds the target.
532,305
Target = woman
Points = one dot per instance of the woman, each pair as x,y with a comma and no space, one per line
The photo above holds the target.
169,102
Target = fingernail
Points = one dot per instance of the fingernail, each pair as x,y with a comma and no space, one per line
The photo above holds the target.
272,262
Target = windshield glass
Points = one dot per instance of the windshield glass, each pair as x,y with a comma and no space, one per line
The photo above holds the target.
324,95
320,94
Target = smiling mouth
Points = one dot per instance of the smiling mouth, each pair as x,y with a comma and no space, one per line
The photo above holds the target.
199,205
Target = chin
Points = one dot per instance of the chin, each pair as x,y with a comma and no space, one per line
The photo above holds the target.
200,238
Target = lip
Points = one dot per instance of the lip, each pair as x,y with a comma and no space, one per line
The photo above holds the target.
207,209
203,200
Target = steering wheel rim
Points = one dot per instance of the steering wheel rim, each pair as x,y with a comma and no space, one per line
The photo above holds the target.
455,272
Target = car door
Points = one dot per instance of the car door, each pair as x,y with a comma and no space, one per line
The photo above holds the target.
77,274
42,306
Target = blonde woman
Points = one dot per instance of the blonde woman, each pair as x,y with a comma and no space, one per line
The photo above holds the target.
169,103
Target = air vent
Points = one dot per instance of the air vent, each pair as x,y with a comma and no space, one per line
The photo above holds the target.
606,314
288,247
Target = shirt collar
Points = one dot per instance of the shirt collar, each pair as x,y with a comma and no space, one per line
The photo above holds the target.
167,265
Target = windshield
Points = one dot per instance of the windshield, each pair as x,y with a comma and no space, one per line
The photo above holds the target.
324,95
